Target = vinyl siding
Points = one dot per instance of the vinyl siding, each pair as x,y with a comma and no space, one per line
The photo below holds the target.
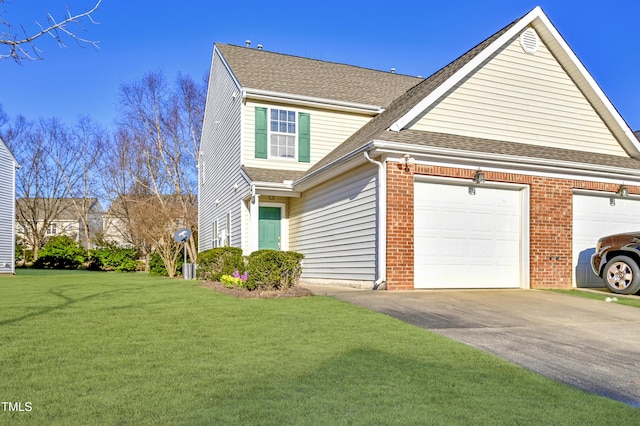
328,130
334,226
7,210
526,98
219,174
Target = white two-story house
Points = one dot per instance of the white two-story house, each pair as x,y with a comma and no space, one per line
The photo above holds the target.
500,170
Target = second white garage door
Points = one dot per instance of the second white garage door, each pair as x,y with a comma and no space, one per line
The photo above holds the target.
596,216
467,241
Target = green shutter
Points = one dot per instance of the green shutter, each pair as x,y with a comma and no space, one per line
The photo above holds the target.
304,138
261,133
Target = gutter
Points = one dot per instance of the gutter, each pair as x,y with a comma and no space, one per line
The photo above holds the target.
475,158
381,218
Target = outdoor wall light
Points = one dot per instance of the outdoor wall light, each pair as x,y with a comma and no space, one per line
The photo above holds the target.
408,160
478,177
623,191
472,190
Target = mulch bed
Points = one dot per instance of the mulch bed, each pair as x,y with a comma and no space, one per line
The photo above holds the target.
294,291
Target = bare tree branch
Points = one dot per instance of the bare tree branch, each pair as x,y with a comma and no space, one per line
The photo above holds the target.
23,47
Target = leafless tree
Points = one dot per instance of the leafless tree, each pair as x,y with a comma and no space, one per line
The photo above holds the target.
19,43
40,185
163,124
78,155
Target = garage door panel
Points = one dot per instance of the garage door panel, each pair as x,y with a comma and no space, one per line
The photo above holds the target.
595,216
464,240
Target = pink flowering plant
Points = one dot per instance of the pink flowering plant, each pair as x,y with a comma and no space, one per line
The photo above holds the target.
236,280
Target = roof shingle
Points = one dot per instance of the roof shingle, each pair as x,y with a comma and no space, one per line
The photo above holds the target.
263,70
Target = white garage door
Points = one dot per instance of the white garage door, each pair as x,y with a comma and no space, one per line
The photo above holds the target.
594,217
467,241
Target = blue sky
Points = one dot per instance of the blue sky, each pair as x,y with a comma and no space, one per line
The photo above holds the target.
415,37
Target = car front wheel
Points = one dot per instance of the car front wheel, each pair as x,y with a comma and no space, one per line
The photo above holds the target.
622,275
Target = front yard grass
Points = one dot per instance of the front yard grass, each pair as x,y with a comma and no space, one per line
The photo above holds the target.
602,295
112,348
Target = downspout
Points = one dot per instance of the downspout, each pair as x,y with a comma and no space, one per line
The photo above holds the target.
381,219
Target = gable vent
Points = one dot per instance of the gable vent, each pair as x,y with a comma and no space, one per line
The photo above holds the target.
529,40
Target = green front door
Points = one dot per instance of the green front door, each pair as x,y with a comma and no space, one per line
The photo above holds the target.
269,228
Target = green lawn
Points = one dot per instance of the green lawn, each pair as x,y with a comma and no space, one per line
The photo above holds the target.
602,295
108,348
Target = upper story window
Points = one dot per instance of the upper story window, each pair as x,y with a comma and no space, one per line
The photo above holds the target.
51,229
283,134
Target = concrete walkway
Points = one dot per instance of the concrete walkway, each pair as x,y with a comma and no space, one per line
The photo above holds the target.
590,344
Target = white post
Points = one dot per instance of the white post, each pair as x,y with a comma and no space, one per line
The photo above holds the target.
254,230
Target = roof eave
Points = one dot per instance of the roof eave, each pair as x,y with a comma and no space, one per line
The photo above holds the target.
333,169
284,189
528,165
309,101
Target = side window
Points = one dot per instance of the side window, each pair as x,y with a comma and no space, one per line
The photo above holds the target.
214,235
228,236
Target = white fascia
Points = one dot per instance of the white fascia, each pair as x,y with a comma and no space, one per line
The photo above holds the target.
309,101
541,23
512,163
284,189
629,140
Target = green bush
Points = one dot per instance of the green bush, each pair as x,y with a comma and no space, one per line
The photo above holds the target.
272,269
111,257
61,252
214,263
156,266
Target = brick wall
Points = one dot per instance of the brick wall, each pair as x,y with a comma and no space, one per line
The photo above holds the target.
550,231
399,228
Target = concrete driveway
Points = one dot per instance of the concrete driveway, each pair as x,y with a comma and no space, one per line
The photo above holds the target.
590,344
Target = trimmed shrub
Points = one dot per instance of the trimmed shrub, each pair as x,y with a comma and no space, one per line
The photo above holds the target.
272,269
111,257
214,263
60,252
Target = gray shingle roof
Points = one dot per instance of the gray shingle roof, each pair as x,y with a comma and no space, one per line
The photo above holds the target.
403,104
472,144
271,175
264,70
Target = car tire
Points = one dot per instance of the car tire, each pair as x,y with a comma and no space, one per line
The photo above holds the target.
622,275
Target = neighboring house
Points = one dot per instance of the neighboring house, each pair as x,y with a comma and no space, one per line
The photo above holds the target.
501,170
8,166
60,216
127,220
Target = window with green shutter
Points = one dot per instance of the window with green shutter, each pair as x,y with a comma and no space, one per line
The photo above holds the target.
282,134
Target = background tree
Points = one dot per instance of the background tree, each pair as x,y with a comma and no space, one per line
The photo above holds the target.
78,156
40,182
19,44
162,126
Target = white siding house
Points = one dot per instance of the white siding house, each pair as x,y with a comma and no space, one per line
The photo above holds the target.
8,166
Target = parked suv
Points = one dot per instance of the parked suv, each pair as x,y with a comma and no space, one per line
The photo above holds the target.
616,261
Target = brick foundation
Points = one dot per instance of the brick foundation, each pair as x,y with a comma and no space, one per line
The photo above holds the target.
550,230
